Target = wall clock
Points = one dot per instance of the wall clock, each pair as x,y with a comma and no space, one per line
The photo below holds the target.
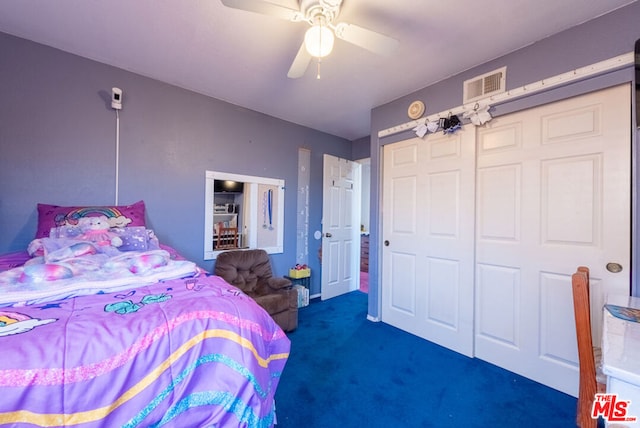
416,110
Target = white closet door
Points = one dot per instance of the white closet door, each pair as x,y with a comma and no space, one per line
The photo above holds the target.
553,193
428,219
548,190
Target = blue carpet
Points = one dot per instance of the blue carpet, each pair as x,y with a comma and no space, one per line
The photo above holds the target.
346,371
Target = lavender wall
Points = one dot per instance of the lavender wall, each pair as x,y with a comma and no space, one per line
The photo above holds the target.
361,148
600,39
57,146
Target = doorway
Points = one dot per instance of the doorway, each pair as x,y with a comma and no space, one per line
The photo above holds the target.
365,214
340,226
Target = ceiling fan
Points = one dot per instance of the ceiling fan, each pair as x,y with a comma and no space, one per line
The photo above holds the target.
318,42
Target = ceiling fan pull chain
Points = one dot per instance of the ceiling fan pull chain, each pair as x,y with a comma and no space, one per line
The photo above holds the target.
318,73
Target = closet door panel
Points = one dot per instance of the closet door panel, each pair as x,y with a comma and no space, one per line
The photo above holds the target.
428,222
553,192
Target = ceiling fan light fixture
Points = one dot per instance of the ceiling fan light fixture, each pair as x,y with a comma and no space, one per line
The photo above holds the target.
318,40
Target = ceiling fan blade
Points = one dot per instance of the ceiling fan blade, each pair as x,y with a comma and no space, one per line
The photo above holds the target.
367,39
265,8
300,63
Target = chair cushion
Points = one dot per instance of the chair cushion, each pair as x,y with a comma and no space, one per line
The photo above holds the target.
273,303
247,270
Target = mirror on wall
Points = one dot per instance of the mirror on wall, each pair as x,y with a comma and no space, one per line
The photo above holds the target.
242,212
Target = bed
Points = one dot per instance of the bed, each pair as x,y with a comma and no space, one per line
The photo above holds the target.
143,337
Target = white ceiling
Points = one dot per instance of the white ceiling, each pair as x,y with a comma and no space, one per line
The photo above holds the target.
243,57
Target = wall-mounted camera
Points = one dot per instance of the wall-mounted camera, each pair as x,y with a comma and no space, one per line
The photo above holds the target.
116,98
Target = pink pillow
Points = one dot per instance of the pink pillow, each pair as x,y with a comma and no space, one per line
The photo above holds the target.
50,216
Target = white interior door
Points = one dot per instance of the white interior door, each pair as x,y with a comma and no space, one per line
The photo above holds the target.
553,193
428,244
340,227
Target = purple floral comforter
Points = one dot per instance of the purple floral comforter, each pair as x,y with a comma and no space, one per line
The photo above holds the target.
192,352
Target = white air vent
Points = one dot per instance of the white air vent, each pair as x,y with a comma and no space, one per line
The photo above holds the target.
485,85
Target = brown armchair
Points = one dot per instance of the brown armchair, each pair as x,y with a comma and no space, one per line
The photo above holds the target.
250,271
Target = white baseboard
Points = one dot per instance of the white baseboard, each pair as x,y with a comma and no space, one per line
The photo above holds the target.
372,318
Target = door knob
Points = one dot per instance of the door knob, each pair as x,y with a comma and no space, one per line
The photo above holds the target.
328,235
386,243
614,267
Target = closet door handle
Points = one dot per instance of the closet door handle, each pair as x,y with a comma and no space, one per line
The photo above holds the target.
614,267
386,243
328,235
